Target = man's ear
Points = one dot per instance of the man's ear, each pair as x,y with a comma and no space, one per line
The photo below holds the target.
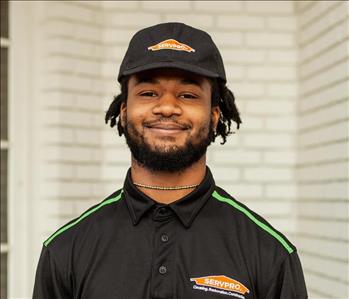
215,114
123,111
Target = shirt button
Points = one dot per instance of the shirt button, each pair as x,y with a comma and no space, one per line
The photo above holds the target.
162,270
164,238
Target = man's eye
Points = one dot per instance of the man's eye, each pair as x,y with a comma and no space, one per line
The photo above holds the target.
148,94
188,96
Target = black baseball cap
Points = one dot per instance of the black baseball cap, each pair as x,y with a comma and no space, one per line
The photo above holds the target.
173,45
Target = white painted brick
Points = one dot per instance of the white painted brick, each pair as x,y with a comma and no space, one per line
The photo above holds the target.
281,191
325,96
275,73
324,191
223,39
234,72
324,153
289,89
319,8
331,171
88,102
113,172
218,6
262,174
114,54
112,6
242,56
270,7
240,22
336,73
67,81
270,107
231,156
240,191
270,40
284,123
335,269
89,32
285,56
96,4
55,27
335,230
58,171
136,19
58,99
326,40
321,282
324,60
246,89
287,157
271,141
67,153
117,154
338,111
91,137
339,210
113,36
67,189
110,137
333,16
60,135
334,132
199,21
88,171
326,248
284,23
251,123
165,6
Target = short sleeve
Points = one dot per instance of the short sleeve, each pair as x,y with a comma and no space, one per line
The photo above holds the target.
49,282
288,280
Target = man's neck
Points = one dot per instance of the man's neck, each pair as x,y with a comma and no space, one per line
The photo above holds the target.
190,176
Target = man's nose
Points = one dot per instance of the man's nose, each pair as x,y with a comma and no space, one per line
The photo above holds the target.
167,105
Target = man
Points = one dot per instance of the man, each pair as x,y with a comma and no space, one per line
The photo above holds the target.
170,232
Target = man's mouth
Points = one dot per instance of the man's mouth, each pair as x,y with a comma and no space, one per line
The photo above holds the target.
166,128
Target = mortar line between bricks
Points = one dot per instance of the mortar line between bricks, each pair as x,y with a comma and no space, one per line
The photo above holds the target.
322,219
315,237
321,34
318,16
313,128
322,181
321,162
322,107
323,87
326,49
323,69
328,277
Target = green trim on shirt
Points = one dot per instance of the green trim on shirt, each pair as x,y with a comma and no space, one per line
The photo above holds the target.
83,216
262,225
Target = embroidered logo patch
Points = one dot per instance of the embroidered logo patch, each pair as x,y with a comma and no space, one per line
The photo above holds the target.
171,44
220,284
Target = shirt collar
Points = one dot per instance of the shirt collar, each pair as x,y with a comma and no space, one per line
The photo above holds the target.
185,208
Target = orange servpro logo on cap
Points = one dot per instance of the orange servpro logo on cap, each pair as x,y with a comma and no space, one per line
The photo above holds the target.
220,282
171,44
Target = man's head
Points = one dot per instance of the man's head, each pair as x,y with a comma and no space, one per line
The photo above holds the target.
172,103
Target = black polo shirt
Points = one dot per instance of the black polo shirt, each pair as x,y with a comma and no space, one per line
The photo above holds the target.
206,245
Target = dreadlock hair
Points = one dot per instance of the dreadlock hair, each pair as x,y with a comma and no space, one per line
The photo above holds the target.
221,96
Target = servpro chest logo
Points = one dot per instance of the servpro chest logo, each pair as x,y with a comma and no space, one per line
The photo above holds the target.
171,44
220,284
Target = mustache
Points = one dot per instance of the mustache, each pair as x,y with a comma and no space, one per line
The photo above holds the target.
166,120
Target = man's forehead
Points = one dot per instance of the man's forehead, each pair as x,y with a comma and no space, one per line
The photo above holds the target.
155,75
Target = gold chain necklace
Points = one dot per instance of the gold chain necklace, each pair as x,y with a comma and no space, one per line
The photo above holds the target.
166,188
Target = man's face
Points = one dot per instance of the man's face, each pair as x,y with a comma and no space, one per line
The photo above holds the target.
168,120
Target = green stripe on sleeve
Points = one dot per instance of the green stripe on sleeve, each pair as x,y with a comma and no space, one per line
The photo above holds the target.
83,216
262,225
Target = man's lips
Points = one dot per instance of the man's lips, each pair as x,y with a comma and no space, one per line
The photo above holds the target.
166,128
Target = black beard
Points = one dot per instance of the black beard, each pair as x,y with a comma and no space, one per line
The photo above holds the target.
174,159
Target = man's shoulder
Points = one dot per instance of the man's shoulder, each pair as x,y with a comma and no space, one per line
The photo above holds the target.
68,231
250,225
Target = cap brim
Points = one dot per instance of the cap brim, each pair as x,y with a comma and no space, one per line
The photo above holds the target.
169,64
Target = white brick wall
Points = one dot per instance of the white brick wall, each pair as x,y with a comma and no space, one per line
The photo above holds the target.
323,148
292,140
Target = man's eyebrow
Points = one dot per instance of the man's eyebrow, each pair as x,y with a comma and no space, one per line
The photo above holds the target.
192,81
146,80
